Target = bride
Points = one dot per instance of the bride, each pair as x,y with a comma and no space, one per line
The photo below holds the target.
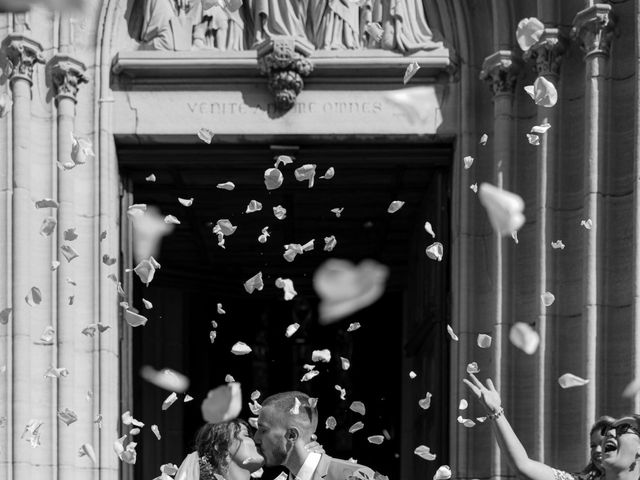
224,451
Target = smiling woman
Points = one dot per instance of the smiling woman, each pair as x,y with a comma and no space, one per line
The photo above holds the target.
621,451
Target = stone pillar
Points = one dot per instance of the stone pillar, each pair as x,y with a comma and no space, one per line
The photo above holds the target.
547,54
501,70
66,75
23,54
592,29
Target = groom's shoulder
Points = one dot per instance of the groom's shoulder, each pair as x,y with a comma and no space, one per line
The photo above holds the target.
347,470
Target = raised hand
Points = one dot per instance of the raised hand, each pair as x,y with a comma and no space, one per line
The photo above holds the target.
488,395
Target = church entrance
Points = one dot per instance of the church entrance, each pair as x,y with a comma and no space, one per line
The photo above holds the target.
404,331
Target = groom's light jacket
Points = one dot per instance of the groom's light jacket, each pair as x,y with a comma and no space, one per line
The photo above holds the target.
330,468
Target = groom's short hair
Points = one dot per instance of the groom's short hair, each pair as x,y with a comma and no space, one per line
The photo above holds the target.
306,419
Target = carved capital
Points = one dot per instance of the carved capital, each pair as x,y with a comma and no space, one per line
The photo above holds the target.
501,70
284,61
593,29
67,74
23,54
547,53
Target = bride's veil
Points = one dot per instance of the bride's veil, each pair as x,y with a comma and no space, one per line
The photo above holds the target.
190,468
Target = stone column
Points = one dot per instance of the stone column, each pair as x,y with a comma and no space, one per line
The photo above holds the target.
67,74
592,29
501,71
23,54
547,54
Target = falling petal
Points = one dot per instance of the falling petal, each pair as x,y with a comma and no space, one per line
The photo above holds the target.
171,220
443,473
330,243
533,139
273,178
529,32
309,375
375,439
484,341
48,226
134,319
588,224
424,452
280,212
254,206
569,380
47,336
330,423
187,398
524,337
5,105
34,297
411,70
429,229
345,363
206,135
435,251
54,265
321,356
345,288
70,234
468,161
484,139
395,206
329,174
69,252
187,202
543,92
167,379
337,211
229,379
264,236
240,348
632,389
463,405
295,410
547,299
147,304
355,427
226,186
223,403
474,187
343,392
412,374
145,270
81,150
46,203
306,172
353,326
67,416
473,368
287,285
151,178
87,450
425,402
291,329
467,422
503,208
109,261
453,336
540,129
358,407
557,245
170,400
225,227
284,160
254,283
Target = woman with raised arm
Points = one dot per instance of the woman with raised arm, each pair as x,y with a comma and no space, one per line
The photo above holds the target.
514,450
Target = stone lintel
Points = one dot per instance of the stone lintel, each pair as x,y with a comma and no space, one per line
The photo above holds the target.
23,53
593,29
67,73
501,70
547,53
211,67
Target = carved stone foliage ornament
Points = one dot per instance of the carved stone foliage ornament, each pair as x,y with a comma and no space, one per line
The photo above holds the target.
23,54
283,60
547,53
501,71
593,29
67,74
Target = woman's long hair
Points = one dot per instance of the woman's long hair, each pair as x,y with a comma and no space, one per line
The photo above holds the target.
213,442
592,471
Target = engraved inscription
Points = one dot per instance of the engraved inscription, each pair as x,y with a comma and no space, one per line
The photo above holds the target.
301,108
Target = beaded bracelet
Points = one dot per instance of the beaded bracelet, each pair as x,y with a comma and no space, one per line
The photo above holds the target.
496,415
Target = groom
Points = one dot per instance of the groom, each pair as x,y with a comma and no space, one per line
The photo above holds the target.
285,427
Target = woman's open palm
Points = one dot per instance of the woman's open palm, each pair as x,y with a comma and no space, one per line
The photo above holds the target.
488,395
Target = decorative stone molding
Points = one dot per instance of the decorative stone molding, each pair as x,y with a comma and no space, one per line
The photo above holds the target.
283,60
501,69
23,54
547,53
67,74
593,29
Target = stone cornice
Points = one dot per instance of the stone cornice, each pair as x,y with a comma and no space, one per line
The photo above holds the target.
593,29
67,74
23,53
547,53
197,66
501,70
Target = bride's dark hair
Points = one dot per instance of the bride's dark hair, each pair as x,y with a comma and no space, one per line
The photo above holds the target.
213,442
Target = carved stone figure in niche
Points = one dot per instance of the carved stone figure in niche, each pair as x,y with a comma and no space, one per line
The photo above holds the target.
220,29
371,14
335,24
405,27
168,24
279,18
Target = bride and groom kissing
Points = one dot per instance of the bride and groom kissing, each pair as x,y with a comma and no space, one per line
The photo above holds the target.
285,437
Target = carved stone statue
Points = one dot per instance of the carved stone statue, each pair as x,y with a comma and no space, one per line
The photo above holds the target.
274,18
221,29
335,24
168,24
371,13
406,27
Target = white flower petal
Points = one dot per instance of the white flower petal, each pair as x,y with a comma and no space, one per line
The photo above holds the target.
484,340
503,208
254,283
425,402
395,206
206,135
524,337
547,299
226,186
424,452
529,32
240,348
223,403
187,202
569,380
435,251
167,379
411,70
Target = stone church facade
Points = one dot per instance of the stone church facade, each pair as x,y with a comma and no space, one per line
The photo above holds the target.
146,75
